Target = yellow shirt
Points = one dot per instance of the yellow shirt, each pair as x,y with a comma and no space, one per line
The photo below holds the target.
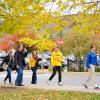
56,58
32,62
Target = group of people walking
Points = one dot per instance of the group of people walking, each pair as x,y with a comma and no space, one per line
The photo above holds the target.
18,62
56,62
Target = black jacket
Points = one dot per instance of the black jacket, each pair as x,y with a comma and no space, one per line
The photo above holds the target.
7,60
19,58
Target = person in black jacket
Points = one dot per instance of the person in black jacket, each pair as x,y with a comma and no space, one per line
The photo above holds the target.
9,61
19,60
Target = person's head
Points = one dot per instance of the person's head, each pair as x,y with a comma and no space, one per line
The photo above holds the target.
10,52
34,55
56,49
20,47
93,47
34,52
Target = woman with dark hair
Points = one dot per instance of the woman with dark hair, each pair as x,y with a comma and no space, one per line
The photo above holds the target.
8,61
33,64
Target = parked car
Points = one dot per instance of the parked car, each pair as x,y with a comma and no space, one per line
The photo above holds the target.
45,62
27,61
64,62
71,57
3,54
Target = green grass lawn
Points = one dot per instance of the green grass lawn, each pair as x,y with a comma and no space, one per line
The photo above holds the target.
36,94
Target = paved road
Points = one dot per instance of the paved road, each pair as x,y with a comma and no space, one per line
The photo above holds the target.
67,79
73,81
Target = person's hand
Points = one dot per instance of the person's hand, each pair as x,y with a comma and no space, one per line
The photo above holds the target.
17,66
25,50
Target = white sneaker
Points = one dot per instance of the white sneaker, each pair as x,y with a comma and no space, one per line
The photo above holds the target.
11,83
5,82
85,86
48,82
60,84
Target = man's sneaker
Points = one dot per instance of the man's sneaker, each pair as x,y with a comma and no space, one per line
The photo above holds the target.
48,82
60,84
96,88
85,86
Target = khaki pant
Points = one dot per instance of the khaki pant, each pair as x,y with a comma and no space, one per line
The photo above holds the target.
91,76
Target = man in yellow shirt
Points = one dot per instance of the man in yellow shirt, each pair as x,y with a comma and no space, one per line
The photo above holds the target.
56,62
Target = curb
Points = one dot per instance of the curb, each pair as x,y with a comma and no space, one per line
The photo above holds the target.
66,88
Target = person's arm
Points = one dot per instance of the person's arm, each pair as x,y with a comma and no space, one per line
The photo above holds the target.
52,59
16,59
30,62
88,61
97,64
25,52
61,57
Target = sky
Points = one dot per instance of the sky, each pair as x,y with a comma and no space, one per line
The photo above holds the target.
67,11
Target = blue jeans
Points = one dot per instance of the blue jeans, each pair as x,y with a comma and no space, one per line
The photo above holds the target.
34,75
8,76
19,78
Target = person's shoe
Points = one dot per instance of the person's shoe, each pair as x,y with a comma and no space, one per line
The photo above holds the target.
48,82
5,82
85,86
20,85
60,84
11,83
16,84
33,83
96,88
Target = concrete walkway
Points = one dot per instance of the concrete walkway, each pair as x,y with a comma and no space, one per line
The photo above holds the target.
72,81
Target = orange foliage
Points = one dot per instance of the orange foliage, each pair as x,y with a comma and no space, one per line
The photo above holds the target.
4,45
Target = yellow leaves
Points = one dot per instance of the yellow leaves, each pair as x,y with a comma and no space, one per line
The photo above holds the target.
38,7
1,34
46,44
28,41
40,43
58,28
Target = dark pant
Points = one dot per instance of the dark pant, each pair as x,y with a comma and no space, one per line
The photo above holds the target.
8,76
19,78
34,75
55,69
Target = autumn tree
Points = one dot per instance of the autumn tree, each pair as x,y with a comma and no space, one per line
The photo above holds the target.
77,21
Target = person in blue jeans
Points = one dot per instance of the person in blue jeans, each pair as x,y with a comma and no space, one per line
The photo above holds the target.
33,65
19,60
9,61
